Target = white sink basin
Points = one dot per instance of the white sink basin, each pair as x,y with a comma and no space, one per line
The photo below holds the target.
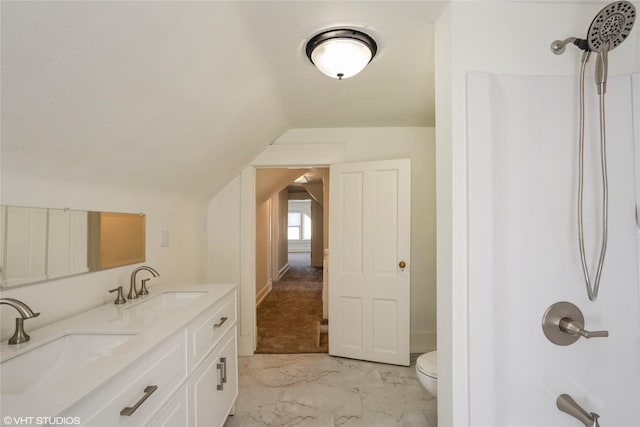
55,360
168,300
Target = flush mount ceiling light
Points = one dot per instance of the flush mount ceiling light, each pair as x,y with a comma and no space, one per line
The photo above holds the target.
302,179
341,53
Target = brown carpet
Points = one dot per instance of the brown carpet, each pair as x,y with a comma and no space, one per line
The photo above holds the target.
289,317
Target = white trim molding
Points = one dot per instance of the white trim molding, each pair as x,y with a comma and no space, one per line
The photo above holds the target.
283,271
266,289
247,336
284,155
300,155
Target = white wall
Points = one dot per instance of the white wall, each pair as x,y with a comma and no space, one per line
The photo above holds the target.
449,344
418,144
523,253
317,242
280,252
179,263
263,250
223,235
334,145
499,37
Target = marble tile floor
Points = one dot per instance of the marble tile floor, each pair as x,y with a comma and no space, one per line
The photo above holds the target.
317,390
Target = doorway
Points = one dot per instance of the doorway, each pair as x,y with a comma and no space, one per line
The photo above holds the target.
244,212
290,242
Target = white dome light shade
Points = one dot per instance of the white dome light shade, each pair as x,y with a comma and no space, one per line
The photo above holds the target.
341,58
341,54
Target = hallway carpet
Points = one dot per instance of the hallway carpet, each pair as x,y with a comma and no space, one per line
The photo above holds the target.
289,317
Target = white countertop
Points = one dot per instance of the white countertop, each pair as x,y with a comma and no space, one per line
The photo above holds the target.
150,329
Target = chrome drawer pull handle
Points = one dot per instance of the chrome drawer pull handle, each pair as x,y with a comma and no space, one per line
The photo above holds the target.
222,320
220,385
223,360
148,391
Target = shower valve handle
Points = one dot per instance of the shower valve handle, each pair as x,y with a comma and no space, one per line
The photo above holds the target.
563,324
573,327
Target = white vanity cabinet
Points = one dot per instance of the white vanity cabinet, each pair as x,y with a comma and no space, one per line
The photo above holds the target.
175,413
213,359
142,387
213,388
189,379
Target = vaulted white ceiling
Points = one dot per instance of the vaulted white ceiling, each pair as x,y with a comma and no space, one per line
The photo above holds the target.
181,96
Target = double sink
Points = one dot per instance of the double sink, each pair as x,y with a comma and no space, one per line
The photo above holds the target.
57,359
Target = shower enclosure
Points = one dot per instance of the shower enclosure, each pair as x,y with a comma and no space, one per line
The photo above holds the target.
517,160
528,171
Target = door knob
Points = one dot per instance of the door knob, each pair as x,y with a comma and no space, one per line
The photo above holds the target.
402,264
563,324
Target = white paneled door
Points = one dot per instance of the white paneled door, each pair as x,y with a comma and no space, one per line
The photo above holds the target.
369,252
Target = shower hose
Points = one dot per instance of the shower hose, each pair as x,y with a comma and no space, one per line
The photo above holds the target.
592,288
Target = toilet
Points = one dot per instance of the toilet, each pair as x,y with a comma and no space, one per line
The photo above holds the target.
427,371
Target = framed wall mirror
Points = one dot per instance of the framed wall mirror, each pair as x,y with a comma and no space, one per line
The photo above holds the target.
40,244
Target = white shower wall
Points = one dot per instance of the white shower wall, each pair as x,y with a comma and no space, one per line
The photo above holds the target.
635,83
523,252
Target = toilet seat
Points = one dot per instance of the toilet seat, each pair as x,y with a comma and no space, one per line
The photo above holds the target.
427,364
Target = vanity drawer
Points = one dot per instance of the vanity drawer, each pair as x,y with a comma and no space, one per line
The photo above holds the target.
174,413
157,375
207,329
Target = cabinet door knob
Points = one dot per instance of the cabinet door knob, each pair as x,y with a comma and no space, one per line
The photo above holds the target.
402,264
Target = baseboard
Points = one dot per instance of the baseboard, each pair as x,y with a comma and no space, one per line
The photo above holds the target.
283,271
245,345
299,250
423,341
260,296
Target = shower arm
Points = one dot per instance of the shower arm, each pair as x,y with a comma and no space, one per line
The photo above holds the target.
558,46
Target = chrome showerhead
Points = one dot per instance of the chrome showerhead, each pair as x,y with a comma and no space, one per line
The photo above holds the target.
607,31
611,26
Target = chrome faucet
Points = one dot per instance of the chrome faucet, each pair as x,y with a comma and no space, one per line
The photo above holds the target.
568,405
19,336
133,292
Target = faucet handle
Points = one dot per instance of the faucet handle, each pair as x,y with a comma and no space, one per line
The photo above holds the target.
19,336
120,298
143,287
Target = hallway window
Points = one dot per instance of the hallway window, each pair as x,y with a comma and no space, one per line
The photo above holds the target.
295,226
299,226
299,220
